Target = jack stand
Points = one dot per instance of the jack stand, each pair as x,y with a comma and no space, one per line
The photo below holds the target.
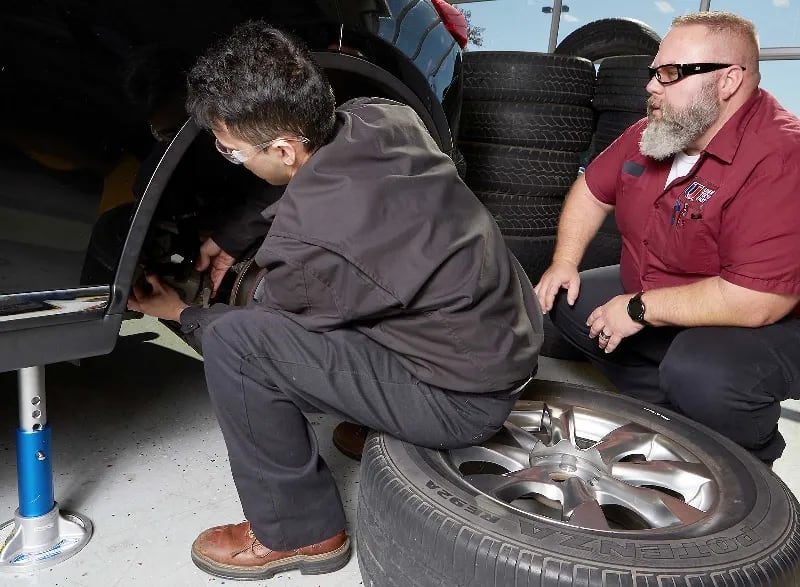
39,536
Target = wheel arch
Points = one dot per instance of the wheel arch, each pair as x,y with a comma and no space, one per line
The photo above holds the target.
342,68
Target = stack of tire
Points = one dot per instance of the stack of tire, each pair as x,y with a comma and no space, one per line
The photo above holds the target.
620,97
620,100
526,118
524,135
624,48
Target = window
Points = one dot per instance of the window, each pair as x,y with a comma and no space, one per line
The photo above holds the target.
776,20
524,25
779,79
510,25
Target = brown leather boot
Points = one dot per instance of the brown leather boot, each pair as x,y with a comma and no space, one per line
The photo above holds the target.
349,438
233,552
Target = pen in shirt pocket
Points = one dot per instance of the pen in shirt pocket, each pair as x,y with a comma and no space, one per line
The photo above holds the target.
675,209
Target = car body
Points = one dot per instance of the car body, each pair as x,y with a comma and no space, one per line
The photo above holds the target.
89,87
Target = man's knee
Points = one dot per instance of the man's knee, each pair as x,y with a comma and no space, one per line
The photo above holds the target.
570,320
557,311
679,368
597,287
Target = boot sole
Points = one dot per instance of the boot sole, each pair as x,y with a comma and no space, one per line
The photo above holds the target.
356,456
317,564
344,447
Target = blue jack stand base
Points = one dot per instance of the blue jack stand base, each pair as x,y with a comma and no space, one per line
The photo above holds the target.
28,544
40,535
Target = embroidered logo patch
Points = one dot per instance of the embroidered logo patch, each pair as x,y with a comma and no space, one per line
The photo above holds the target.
698,192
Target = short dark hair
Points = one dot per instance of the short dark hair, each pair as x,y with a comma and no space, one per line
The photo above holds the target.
262,83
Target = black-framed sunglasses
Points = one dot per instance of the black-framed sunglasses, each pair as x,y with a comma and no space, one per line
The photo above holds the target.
671,73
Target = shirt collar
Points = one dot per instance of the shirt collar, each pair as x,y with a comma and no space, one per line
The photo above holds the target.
727,140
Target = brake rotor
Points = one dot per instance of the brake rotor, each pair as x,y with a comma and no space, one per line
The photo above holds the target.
246,287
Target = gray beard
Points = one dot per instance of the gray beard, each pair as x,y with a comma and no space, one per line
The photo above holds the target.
678,129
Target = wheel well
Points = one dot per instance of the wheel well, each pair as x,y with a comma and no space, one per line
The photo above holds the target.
353,77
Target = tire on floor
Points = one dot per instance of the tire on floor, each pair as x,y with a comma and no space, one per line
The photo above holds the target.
422,521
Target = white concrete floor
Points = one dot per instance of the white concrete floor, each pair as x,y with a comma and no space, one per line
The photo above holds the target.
137,449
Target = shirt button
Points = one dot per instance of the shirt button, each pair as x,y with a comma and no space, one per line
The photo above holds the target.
645,242
656,206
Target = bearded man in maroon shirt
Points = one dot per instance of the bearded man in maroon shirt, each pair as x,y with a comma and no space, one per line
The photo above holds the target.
700,316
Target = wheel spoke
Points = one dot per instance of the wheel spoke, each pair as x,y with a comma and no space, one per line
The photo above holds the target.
623,441
692,480
633,477
527,415
560,424
512,486
658,509
580,505
524,438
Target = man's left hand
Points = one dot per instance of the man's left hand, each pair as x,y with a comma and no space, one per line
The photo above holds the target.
161,301
218,261
610,323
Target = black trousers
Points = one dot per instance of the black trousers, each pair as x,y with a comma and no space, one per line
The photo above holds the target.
263,371
729,378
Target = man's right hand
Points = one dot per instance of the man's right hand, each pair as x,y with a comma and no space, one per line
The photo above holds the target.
559,274
211,255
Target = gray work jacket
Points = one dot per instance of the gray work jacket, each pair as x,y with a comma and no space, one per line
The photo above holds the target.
377,232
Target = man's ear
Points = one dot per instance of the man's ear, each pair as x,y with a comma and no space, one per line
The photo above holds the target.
288,152
730,82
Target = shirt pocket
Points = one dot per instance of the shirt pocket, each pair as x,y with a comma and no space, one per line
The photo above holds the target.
628,210
690,246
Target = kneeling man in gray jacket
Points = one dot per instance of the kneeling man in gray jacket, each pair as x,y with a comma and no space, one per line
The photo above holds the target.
389,299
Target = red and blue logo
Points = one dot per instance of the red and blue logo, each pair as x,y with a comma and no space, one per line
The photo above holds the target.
698,192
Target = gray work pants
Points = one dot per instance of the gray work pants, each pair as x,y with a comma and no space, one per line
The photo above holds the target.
264,370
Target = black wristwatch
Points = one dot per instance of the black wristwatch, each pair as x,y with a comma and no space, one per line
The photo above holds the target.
636,309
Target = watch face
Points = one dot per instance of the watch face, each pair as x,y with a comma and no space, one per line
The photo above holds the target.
636,309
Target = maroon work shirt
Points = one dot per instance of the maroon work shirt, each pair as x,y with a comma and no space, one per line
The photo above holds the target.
736,214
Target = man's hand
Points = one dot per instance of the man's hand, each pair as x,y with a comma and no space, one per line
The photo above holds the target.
610,323
211,255
559,274
162,301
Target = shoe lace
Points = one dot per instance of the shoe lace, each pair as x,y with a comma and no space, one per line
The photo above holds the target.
256,544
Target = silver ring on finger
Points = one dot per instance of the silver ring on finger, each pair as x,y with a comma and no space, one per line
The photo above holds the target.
604,336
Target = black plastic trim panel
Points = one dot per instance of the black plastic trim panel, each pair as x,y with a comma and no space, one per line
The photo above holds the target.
58,342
